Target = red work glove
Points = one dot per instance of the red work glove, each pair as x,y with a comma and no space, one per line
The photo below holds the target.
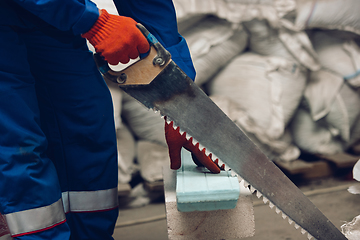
176,141
117,38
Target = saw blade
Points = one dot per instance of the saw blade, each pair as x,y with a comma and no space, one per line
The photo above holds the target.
178,98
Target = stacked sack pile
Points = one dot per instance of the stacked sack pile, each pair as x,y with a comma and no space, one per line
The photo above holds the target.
285,71
287,74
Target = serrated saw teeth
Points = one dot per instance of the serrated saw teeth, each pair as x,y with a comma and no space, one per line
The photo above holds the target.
155,110
202,148
195,143
213,156
208,153
290,221
277,210
258,194
252,189
222,167
176,128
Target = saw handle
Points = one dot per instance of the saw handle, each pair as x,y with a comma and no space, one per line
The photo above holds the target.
162,57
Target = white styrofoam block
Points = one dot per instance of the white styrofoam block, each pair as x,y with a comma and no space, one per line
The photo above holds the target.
197,189
234,223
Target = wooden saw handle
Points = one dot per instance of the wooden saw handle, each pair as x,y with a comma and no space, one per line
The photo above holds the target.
141,72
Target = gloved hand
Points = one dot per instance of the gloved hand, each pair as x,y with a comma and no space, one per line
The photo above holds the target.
117,38
176,141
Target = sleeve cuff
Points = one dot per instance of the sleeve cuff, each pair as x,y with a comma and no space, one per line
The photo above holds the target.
180,54
88,18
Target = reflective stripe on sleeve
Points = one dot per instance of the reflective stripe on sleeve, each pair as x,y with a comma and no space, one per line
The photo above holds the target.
34,220
90,201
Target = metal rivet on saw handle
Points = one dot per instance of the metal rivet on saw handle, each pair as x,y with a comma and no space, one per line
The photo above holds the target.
122,78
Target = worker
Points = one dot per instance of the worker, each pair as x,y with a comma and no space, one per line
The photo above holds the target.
58,156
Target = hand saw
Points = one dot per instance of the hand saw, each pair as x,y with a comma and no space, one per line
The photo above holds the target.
159,84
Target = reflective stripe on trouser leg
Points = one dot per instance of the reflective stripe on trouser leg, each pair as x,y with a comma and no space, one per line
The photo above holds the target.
95,210
90,201
35,220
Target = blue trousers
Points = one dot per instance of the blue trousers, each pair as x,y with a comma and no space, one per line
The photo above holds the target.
57,135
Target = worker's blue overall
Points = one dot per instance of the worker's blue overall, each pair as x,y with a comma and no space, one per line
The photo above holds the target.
58,162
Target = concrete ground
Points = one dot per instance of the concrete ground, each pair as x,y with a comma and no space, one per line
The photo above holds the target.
330,195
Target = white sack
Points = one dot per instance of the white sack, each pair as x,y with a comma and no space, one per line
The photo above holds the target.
213,43
188,23
285,7
152,157
313,137
269,89
329,14
339,55
116,95
126,154
329,98
210,64
282,42
345,112
321,91
145,124
186,9
264,40
207,33
236,11
351,230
